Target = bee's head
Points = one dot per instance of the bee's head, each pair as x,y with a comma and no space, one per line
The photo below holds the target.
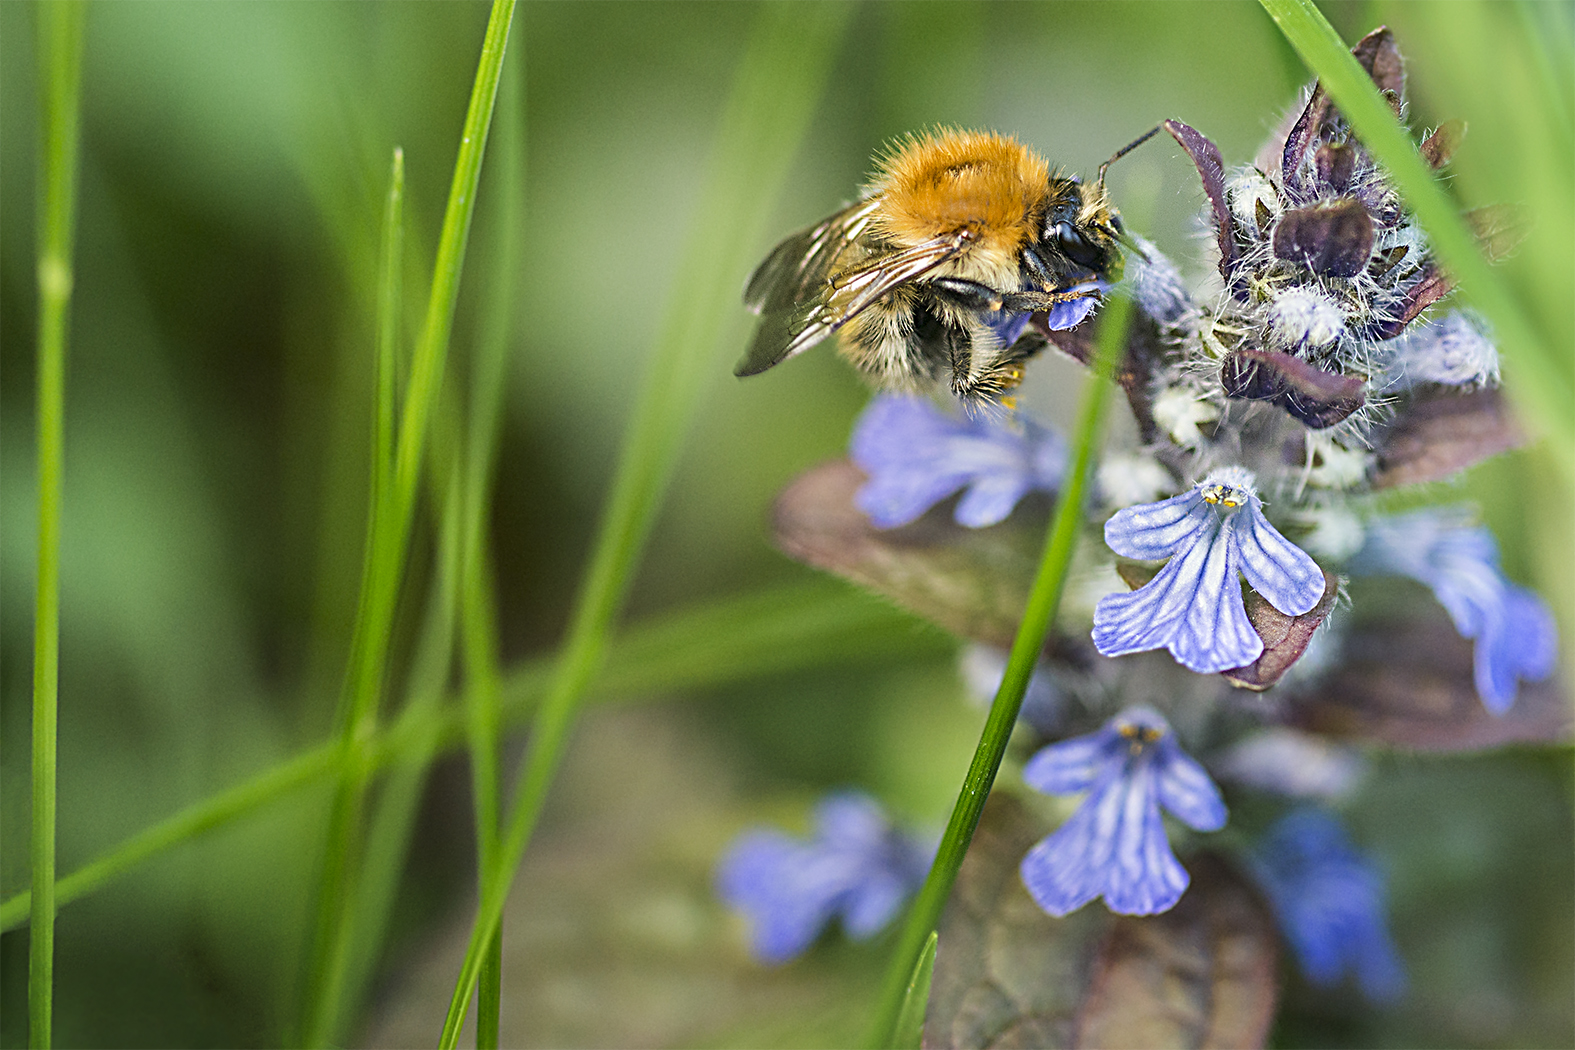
1080,227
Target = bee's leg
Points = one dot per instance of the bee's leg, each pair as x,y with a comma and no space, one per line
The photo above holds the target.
1034,302
970,295
983,372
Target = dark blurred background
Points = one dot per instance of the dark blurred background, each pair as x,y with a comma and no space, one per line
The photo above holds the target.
218,407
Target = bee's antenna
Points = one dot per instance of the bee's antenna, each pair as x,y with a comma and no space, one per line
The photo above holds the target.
1128,148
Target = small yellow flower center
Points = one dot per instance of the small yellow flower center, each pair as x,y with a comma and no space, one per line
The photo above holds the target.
1224,495
1138,737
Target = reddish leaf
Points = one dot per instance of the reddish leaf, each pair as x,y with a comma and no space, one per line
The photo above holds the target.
1285,638
1500,229
1211,169
1410,685
1432,286
1145,354
1315,397
1008,975
973,582
1441,432
1378,55
1333,238
1443,142
1201,974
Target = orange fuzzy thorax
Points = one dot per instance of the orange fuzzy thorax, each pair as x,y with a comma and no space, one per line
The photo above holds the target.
946,180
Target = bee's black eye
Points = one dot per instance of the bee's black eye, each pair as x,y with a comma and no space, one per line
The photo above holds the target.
1075,246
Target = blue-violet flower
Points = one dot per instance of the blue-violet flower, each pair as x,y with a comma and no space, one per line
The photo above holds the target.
916,455
1114,845
1329,901
856,866
1514,631
1194,606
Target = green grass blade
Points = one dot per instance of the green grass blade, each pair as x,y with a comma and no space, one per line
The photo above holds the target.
390,303
60,69
483,676
331,944
778,84
218,811
1043,602
392,518
393,816
775,631
909,1033
1539,379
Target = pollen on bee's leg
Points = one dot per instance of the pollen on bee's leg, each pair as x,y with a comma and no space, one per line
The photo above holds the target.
1009,402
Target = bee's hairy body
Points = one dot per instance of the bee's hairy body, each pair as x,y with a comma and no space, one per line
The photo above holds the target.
960,233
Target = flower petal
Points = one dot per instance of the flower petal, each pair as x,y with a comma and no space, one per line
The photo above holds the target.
1184,789
916,455
1329,900
777,884
871,905
1519,642
1193,608
849,820
1159,530
1144,877
1071,766
1073,312
1067,870
989,500
1277,569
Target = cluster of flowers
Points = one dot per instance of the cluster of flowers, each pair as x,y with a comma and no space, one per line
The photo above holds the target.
1277,380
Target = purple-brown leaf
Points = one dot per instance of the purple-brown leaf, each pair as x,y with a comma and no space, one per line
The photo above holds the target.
1144,354
1442,143
1442,431
1432,286
1334,166
1009,975
1211,169
972,582
1410,685
1334,238
1376,52
1201,974
1499,228
1285,638
1315,397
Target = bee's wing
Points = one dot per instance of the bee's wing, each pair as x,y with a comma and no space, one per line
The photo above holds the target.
801,304
796,270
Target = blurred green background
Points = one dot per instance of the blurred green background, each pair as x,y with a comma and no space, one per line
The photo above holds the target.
219,398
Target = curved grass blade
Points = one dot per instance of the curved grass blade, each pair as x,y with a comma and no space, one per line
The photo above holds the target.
774,631
1539,380
60,69
1043,601
777,86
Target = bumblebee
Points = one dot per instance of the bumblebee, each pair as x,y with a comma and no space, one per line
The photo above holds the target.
933,274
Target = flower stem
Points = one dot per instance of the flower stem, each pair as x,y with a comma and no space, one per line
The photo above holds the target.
60,61
1043,602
